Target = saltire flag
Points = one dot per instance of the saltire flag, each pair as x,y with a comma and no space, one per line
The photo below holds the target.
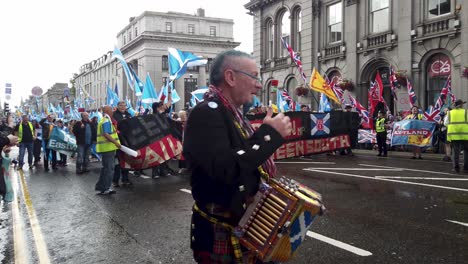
324,104
317,83
52,109
320,124
111,99
281,102
116,89
295,57
393,82
179,61
118,55
411,93
362,112
149,93
139,86
130,109
256,101
163,94
197,96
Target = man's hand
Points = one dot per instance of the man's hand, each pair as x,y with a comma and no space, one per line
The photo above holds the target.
13,139
117,145
280,123
7,149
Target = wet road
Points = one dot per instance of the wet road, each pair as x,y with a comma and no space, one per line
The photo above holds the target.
379,210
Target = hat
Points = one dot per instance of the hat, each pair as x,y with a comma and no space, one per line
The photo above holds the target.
459,102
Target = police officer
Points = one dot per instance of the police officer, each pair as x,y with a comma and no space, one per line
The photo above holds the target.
26,136
457,133
381,134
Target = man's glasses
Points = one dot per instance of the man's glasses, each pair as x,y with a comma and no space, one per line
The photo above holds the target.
258,79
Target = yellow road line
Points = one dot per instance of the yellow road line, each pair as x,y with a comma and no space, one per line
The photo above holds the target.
18,225
41,247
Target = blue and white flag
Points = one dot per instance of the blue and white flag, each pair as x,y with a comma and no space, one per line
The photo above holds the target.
320,124
174,94
130,109
118,55
324,104
112,98
197,96
179,61
281,102
139,86
149,93
256,102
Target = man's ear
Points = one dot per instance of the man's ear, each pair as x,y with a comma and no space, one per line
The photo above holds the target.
229,77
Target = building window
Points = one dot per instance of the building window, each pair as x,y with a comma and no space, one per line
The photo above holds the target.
190,85
124,39
129,35
213,31
298,27
136,31
335,23
165,63
285,32
169,27
209,64
191,29
270,35
379,17
439,68
438,7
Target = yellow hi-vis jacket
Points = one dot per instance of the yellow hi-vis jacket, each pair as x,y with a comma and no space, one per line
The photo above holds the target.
457,128
20,131
104,145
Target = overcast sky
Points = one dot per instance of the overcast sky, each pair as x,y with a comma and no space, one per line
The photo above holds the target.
45,41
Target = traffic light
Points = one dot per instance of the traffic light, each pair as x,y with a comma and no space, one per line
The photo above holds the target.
6,107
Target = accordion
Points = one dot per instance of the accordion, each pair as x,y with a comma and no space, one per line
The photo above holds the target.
276,222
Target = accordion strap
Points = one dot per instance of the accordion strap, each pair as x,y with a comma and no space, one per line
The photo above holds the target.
234,239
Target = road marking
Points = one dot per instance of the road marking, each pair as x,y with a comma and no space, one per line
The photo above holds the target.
328,240
186,191
388,180
456,222
434,172
336,243
41,247
144,177
359,169
423,178
18,225
306,162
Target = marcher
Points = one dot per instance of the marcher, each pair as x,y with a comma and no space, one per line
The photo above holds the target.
37,148
107,144
120,114
47,125
6,140
63,157
226,157
162,109
85,133
416,116
381,129
26,136
457,133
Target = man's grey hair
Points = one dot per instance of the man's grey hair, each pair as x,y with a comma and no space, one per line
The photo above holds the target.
219,65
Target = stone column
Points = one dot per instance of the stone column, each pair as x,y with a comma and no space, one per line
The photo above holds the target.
201,81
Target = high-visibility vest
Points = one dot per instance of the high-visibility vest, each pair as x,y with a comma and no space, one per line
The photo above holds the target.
20,131
411,116
380,125
457,128
104,145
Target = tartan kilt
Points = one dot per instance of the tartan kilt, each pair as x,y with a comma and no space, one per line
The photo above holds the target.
211,243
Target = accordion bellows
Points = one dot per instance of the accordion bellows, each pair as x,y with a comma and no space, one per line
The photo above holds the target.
276,223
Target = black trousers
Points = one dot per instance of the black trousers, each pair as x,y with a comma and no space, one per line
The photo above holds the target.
382,142
46,157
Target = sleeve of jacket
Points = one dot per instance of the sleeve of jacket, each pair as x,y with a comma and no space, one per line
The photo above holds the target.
3,141
42,122
208,145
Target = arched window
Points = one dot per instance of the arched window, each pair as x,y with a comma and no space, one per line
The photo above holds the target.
270,36
285,31
439,68
290,86
334,76
297,28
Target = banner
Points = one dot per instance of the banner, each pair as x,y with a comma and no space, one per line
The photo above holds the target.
312,146
62,142
369,136
413,132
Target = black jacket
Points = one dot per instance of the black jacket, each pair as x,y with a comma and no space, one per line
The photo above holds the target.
80,132
45,129
224,165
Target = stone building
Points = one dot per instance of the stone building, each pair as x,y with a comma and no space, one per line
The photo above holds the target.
144,42
354,39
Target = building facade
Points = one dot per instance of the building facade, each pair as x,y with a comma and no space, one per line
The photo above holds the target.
144,42
426,40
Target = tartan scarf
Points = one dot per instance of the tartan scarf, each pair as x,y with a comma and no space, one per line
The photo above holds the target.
246,128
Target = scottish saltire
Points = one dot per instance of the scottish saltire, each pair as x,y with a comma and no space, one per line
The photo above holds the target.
324,103
362,112
130,109
413,132
393,82
179,61
295,57
149,93
197,96
138,84
118,55
281,102
298,107
318,83
411,93
111,98
256,102
164,93
320,124
299,229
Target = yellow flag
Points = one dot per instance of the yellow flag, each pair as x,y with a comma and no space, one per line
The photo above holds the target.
275,108
317,83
